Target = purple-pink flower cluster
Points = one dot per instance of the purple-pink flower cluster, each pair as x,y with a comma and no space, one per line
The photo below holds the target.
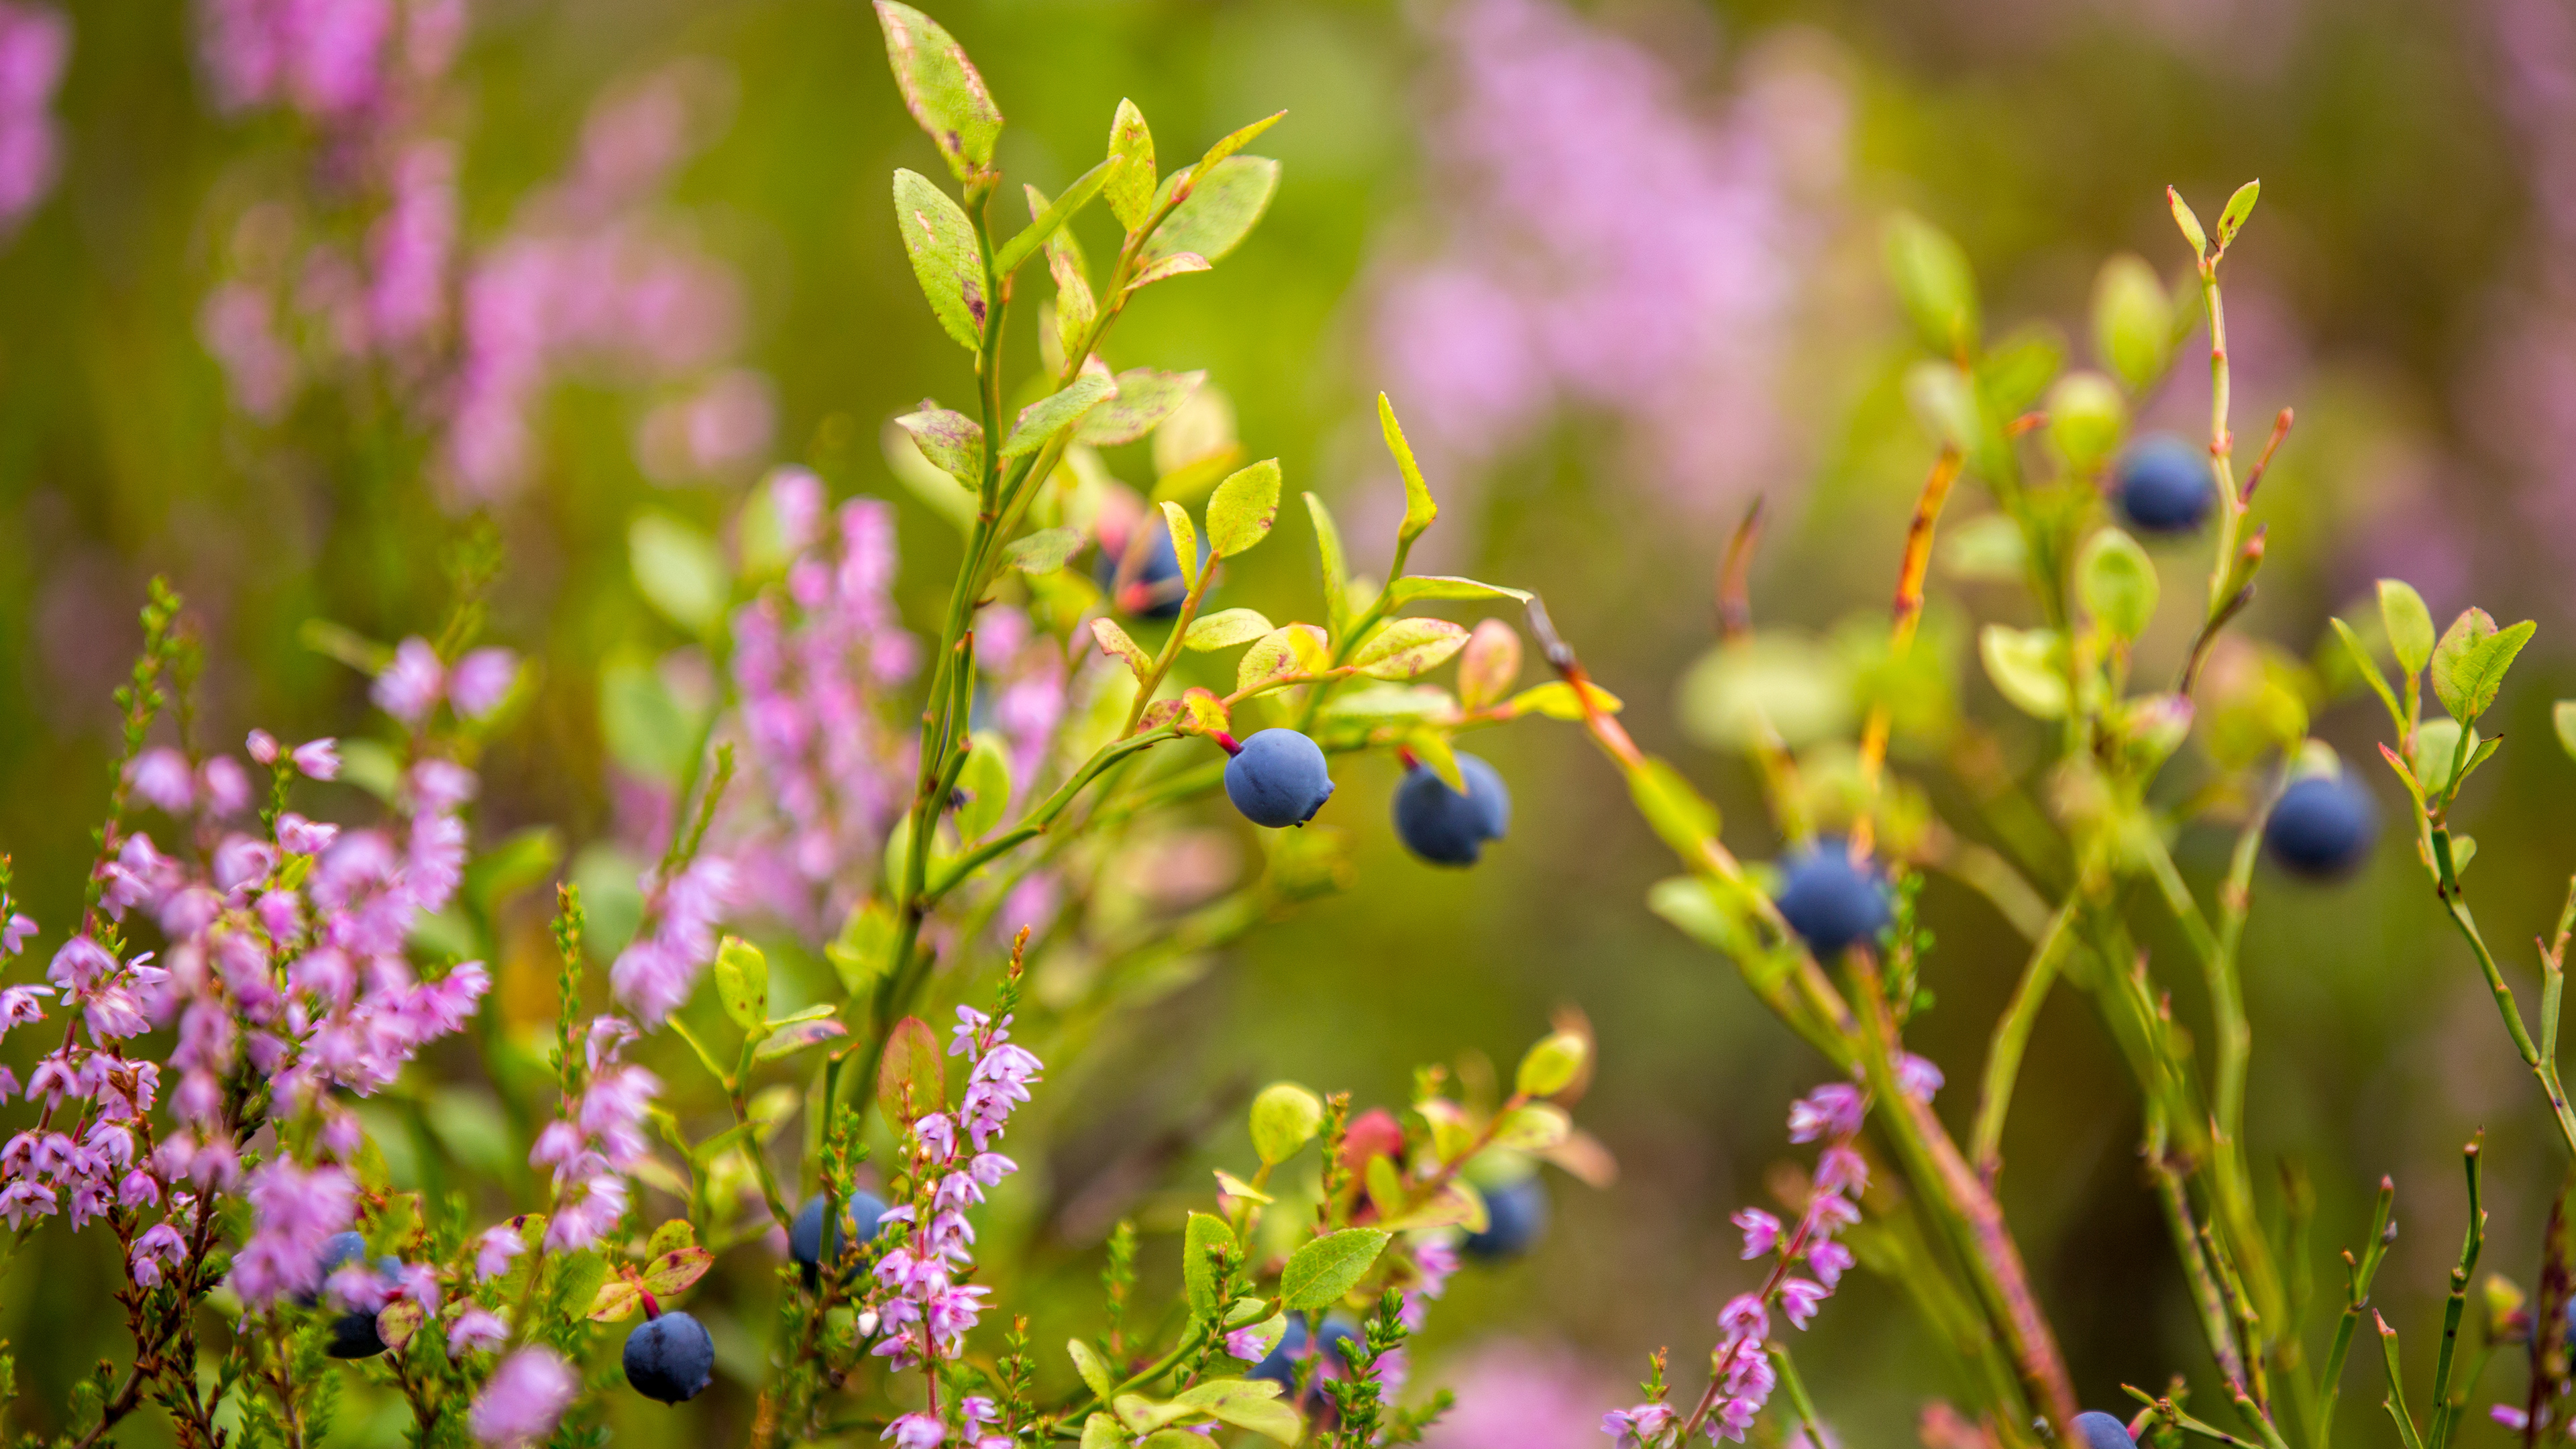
825,770
920,1307
594,1145
1744,1374
35,46
1602,246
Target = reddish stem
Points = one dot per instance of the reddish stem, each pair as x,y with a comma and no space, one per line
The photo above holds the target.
1225,742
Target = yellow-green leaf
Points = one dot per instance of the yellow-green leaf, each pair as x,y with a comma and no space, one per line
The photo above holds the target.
941,243
1242,509
1320,1273
1419,507
1224,629
1131,184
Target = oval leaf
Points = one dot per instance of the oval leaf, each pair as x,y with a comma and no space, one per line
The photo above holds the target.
1220,211
1045,551
1319,1273
1205,1236
1244,506
941,243
675,1271
1055,412
742,982
941,88
2023,663
1404,648
1224,629
909,1080
1145,398
1441,586
952,441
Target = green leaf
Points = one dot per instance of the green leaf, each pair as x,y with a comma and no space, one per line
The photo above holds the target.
2117,582
1403,648
1244,506
1490,664
2019,366
1672,807
1390,703
2437,744
941,243
1224,629
1236,140
864,951
1419,509
2086,416
910,1082
1094,1370
2133,321
1046,223
1985,549
1432,748
1285,1117
1185,543
1552,1065
1049,415
1179,264
986,779
1115,643
941,88
1935,284
1204,1236
677,1271
2239,207
1321,1272
953,442
1534,1128
2369,669
1219,211
673,1235
2025,667
2409,624
1145,398
1102,1432
1131,185
742,982
1288,649
942,493
1414,587
2562,717
1328,552
1556,699
796,1036
1251,1404
1229,1185
2189,221
2469,683
679,570
1943,398
1045,551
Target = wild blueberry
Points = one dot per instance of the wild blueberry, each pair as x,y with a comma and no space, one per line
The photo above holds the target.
1281,1364
2097,1430
2323,826
338,1251
806,1242
1277,778
1445,827
353,1335
1515,1215
2166,485
670,1358
1155,590
1829,901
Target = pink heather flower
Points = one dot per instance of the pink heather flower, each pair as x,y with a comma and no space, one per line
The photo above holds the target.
1832,1110
1842,1170
1761,1232
1751,1376
35,47
1246,1345
1830,1213
409,687
1641,1425
1828,1260
524,1398
263,747
482,680
318,759
238,325
1744,1316
1800,1299
1732,1419
915,1431
413,246
476,1330
14,934
494,1251
226,785
162,777
294,1210
159,1247
1917,1078
2512,1418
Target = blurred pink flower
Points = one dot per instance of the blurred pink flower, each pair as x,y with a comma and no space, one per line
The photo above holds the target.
1604,246
35,47
1517,1395
524,1398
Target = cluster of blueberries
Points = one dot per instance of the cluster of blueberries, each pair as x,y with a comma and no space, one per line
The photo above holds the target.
1278,778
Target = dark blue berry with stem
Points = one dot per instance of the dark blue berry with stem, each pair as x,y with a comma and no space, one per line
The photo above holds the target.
807,1242
2323,826
1276,778
1153,588
338,1251
669,1357
1829,901
1442,826
353,1334
1515,1216
2097,1430
2166,485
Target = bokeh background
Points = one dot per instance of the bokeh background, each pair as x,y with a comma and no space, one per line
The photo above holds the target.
1617,265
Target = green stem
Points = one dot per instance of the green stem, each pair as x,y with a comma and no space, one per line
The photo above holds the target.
2541,1067
2358,1275
2011,1038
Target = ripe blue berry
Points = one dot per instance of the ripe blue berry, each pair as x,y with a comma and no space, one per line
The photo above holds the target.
1277,778
1830,902
1156,588
353,1335
2097,1430
338,1251
807,1244
2323,826
1280,1365
1445,827
670,1358
1515,1215
2166,485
